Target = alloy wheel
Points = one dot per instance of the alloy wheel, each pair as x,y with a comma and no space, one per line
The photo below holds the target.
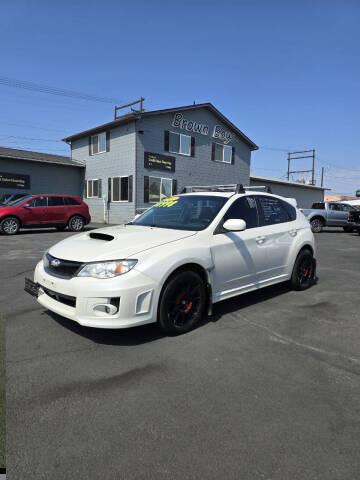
316,226
305,271
76,224
10,226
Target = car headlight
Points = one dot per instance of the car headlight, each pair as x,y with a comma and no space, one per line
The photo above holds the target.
110,269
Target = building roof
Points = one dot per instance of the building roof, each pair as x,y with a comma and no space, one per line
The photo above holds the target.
259,178
16,154
137,115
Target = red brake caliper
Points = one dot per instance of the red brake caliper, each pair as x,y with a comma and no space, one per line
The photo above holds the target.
188,308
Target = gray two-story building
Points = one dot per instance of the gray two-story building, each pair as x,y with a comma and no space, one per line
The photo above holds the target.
141,157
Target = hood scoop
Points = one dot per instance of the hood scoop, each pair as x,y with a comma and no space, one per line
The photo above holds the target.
101,236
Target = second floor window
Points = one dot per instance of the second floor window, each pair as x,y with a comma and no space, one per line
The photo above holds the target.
222,153
179,143
98,143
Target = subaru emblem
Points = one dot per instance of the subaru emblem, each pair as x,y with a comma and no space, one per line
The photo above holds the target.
55,262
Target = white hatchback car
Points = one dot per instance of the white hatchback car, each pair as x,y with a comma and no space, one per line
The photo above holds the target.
176,259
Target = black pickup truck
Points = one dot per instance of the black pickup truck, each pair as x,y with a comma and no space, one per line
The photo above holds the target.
354,220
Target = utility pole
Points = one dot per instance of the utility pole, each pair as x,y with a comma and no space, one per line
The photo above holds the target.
322,176
141,109
312,156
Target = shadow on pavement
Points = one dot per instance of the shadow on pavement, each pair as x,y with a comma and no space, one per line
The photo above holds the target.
150,333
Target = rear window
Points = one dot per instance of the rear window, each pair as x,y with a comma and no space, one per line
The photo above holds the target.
318,206
291,211
272,211
55,201
71,201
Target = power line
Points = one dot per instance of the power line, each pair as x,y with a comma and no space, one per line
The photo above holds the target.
30,138
35,87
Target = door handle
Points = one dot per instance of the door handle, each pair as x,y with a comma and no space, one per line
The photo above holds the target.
260,240
293,233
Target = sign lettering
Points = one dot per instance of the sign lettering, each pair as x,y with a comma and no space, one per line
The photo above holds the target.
191,126
14,180
156,161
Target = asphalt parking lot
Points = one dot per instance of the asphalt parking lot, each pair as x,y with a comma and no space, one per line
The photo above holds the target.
268,388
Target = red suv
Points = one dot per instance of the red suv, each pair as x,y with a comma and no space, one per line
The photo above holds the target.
59,211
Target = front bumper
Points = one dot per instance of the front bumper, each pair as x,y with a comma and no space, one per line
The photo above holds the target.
93,301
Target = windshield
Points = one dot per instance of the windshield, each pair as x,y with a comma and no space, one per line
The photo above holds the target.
13,203
193,212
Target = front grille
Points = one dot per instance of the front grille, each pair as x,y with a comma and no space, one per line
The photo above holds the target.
60,297
61,268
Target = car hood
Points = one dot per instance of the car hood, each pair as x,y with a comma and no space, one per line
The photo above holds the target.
5,209
114,243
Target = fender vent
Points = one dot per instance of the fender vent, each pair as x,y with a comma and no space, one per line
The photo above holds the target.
101,236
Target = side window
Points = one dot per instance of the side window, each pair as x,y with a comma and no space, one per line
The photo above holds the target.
38,202
347,208
334,206
55,201
71,201
272,211
318,206
244,208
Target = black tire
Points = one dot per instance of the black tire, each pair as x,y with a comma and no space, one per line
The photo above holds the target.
10,226
76,223
182,303
316,225
303,274
348,229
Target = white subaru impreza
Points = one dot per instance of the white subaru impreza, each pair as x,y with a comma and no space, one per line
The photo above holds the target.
172,263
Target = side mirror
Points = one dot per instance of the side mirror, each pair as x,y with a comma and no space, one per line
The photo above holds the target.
235,225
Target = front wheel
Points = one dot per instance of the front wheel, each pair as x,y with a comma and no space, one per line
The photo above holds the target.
76,223
303,273
182,303
316,225
10,226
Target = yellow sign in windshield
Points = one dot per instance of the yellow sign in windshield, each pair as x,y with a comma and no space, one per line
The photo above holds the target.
168,202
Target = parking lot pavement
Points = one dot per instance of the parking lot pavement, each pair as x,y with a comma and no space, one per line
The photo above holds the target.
268,388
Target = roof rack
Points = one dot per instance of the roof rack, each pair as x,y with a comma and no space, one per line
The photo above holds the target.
259,188
236,188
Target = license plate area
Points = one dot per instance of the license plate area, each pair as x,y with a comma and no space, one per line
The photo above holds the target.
31,287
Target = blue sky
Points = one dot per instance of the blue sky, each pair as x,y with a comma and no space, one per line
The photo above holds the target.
286,73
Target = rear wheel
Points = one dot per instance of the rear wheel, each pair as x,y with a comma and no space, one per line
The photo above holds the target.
76,223
316,225
182,303
304,271
10,226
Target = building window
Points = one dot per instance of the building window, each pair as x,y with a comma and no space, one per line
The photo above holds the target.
159,188
93,188
222,153
98,143
120,189
179,143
